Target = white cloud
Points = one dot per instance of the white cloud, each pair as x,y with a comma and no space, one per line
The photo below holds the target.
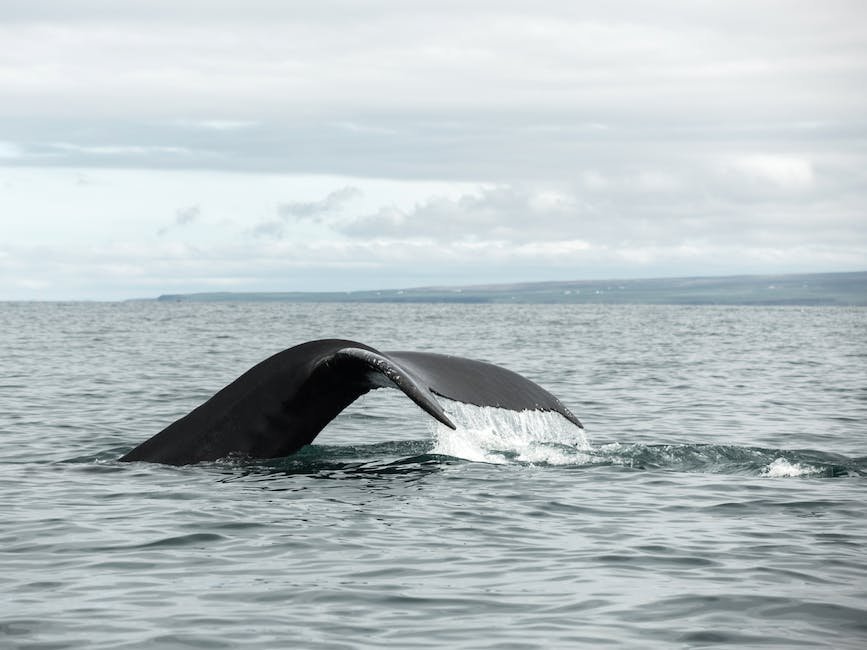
118,149
9,150
657,181
216,125
784,171
367,129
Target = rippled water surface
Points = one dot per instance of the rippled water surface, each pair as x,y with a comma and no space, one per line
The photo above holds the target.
718,497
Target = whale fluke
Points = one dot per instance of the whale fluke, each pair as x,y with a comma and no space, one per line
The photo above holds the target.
282,403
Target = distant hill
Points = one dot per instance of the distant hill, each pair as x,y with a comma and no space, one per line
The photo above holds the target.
793,289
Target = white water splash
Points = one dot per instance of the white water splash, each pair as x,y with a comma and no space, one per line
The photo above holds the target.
495,435
782,468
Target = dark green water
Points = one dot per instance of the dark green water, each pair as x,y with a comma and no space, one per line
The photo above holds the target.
718,498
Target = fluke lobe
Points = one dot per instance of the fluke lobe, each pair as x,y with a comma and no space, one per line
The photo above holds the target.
282,403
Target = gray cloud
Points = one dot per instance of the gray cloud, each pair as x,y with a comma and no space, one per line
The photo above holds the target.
272,228
187,215
311,211
183,217
314,210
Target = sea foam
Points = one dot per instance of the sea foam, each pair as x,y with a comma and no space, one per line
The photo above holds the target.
782,468
495,435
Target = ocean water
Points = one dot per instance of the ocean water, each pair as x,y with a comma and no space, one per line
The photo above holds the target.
718,496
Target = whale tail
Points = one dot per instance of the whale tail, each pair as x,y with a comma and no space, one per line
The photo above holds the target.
282,403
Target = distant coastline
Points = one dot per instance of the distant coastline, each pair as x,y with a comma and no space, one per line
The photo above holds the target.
791,289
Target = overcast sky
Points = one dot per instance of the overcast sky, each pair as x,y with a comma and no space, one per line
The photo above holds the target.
159,146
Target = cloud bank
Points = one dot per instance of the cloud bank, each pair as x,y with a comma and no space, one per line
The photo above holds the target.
154,146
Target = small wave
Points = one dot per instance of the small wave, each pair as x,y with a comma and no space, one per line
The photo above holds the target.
407,457
782,468
500,436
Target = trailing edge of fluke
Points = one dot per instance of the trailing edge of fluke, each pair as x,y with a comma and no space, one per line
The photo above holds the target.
282,403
